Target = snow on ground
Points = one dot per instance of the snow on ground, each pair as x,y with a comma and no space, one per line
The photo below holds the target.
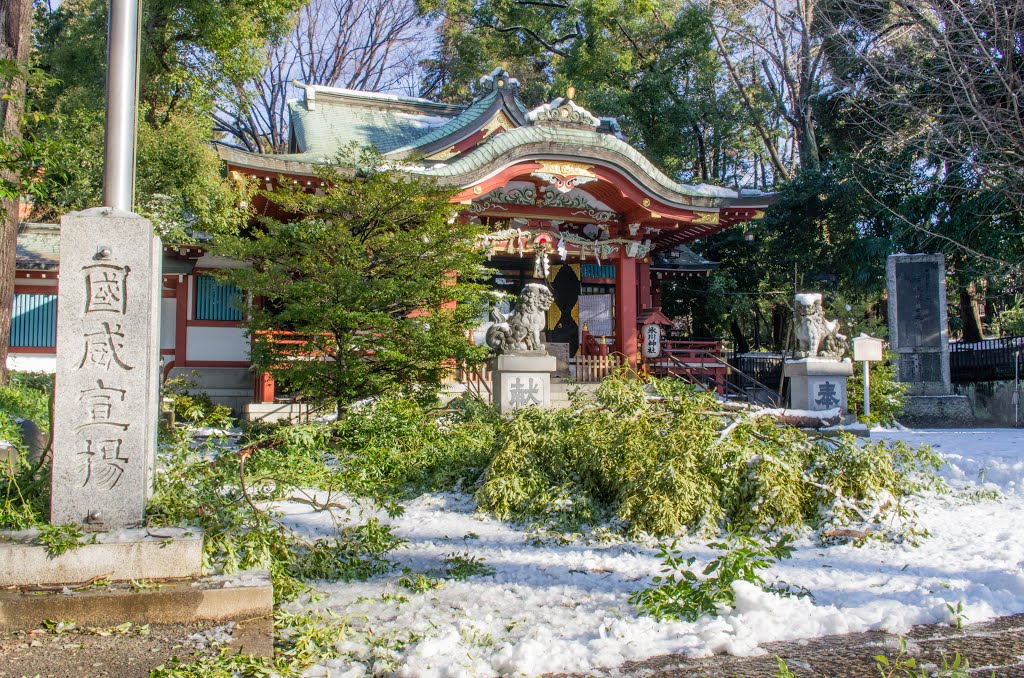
551,607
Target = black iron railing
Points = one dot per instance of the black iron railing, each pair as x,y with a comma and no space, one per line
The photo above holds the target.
988,360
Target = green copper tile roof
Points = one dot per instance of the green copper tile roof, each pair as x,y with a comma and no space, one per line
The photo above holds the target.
334,124
464,119
38,246
581,138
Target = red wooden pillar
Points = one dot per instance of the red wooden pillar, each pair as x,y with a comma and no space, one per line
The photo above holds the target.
625,307
264,388
181,323
644,281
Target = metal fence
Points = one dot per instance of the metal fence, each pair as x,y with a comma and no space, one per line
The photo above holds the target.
988,360
766,368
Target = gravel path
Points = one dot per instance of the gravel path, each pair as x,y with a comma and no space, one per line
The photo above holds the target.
115,652
993,648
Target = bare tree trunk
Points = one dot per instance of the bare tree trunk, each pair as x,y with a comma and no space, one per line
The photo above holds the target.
969,316
15,39
355,44
742,345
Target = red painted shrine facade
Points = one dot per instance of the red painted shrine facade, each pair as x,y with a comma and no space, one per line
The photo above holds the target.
564,197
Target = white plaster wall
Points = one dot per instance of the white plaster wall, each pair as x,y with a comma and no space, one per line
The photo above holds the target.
168,311
217,343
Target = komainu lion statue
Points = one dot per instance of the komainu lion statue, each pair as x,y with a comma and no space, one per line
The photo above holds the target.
520,331
815,336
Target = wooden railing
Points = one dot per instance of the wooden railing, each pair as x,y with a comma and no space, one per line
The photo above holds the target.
593,368
478,380
695,361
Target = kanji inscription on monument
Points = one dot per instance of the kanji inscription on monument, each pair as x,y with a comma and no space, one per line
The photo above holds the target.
523,390
521,394
827,395
105,408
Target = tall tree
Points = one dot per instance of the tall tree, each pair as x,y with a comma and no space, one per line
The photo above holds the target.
377,279
772,49
939,82
189,47
15,43
373,45
652,65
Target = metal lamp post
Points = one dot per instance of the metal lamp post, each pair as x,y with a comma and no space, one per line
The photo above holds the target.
122,96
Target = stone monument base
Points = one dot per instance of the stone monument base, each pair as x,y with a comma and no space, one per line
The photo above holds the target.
817,383
122,555
939,411
523,379
246,598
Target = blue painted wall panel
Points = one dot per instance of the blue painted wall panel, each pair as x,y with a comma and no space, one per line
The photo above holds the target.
216,300
34,320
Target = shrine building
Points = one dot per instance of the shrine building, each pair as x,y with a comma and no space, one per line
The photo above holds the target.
565,198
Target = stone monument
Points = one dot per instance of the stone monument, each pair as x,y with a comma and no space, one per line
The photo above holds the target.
106,398
817,372
105,413
919,335
522,371
918,329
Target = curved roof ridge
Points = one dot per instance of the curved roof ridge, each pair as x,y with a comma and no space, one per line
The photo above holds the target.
497,146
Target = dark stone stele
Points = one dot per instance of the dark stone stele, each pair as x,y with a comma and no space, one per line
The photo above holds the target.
918,329
920,366
917,306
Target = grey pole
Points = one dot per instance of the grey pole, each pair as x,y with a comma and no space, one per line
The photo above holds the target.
867,391
122,95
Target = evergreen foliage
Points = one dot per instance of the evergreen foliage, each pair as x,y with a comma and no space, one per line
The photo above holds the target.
377,280
24,491
887,396
671,465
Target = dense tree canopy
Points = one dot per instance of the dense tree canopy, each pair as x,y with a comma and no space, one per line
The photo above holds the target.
366,280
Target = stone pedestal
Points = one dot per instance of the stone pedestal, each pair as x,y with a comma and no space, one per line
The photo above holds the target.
817,383
522,380
106,401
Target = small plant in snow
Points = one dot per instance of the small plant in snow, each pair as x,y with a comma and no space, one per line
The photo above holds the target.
905,666
784,671
679,593
957,615
419,583
463,566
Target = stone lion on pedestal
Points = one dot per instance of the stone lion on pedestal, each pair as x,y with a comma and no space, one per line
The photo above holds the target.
815,336
520,331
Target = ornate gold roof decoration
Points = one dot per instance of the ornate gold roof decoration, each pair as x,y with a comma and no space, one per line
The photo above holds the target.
564,176
563,110
711,218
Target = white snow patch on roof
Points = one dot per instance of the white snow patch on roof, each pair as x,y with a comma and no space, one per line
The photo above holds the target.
324,89
499,72
712,190
425,121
